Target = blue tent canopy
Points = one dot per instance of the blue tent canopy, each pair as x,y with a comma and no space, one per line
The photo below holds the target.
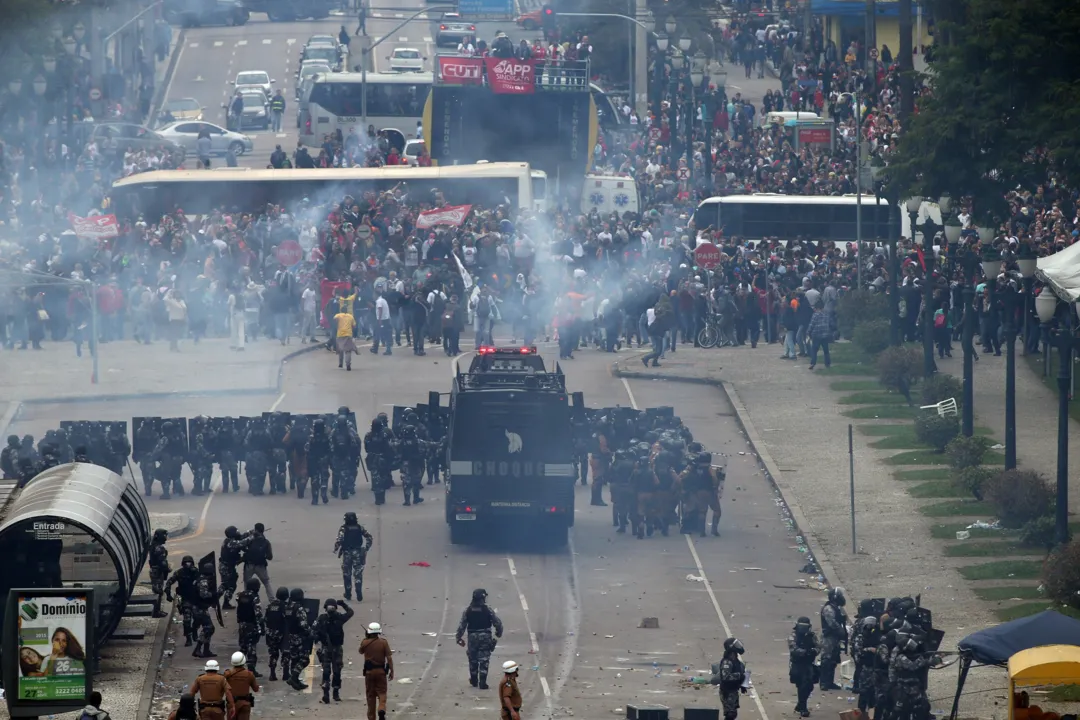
994,646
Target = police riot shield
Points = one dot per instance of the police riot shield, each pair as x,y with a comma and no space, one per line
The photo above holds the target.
398,418
665,411
199,426
180,424
244,424
211,558
142,443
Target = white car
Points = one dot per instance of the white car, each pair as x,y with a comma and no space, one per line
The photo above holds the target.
255,78
186,134
413,148
406,60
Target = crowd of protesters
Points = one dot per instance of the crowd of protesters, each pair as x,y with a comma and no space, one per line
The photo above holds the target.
586,279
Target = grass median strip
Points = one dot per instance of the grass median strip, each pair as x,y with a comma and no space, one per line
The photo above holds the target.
1012,592
947,531
882,412
855,385
870,397
966,548
1004,570
959,508
926,456
936,489
923,474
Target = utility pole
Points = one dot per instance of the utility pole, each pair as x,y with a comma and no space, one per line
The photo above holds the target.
871,44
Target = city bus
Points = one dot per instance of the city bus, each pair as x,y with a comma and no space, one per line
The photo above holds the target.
335,101
199,192
787,217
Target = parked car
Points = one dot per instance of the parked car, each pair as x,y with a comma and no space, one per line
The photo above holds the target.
406,60
529,20
413,148
187,133
195,13
255,78
453,29
329,54
181,109
256,111
120,136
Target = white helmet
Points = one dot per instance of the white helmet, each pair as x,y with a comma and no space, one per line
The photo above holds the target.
510,666
212,666
374,628
238,659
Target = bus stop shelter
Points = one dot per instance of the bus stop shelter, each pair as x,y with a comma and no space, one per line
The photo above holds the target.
77,525
1041,667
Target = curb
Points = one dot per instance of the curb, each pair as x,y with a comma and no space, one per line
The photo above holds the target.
184,531
119,397
772,471
10,416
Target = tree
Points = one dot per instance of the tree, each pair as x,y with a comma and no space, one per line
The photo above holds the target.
1003,103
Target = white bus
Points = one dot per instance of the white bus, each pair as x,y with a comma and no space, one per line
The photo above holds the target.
199,192
335,101
813,217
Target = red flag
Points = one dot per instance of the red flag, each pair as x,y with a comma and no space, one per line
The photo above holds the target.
922,259
453,215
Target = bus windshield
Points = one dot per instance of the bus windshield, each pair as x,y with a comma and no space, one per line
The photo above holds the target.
485,423
788,217
397,99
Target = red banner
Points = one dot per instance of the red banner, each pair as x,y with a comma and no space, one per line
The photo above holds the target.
511,77
95,227
461,70
452,215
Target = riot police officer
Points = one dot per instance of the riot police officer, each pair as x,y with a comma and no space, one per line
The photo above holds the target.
278,459
295,448
329,632
412,464
698,484
275,633
318,454
729,674
201,459
643,484
257,446
622,494
344,458
249,618
802,649
118,448
232,548
170,455
9,458
146,438
298,634
833,636
159,568
224,443
352,545
185,579
378,443
206,597
478,619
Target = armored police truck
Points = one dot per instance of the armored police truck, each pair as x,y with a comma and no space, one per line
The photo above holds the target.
510,449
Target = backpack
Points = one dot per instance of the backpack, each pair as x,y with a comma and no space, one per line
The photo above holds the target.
483,307
939,319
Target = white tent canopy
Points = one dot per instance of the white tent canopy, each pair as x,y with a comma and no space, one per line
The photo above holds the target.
1062,271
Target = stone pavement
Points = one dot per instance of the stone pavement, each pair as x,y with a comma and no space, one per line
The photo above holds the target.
128,368
802,439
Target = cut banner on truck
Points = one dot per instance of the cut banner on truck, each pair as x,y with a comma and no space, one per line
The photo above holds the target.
95,227
453,215
461,70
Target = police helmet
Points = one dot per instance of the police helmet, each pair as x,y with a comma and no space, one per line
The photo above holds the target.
319,425
296,594
330,604
343,410
253,585
341,420
383,419
911,645
13,440
703,458
695,447
161,535
207,568
212,666
869,622
231,531
282,593
188,561
167,427
803,624
733,644
374,628
410,415
836,595
510,667
238,659
479,595
350,518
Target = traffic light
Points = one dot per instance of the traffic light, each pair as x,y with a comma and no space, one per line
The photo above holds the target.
547,19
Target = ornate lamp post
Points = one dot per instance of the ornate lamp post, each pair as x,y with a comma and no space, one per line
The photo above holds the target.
1028,262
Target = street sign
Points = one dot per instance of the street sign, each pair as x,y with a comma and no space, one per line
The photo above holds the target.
654,134
289,253
363,232
684,173
707,256
486,7
95,93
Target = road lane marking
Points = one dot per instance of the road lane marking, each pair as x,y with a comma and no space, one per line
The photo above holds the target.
438,642
705,578
277,402
267,41
193,44
534,643
427,40
544,685
403,38
241,42
524,603
513,568
219,43
529,630
290,41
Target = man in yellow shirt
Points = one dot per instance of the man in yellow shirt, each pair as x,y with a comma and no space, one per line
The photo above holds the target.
345,324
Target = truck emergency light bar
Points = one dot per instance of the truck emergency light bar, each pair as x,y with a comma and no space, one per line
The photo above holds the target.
488,350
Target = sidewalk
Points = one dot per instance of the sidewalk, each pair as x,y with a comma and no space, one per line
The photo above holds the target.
802,434
127,368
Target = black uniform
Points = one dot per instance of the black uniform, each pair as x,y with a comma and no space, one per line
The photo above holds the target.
352,545
379,444
184,579
201,459
279,460
9,458
206,598
170,454
249,619
345,458
412,450
158,560
146,437
318,457
257,446
275,633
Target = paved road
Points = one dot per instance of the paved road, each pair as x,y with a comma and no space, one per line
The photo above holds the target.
212,56
573,615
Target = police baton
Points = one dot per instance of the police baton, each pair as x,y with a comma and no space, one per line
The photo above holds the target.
132,472
363,466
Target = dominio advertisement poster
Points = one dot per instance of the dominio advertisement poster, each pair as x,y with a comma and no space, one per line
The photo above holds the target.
53,648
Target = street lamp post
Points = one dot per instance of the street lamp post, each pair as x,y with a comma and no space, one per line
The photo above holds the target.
913,205
1066,343
697,75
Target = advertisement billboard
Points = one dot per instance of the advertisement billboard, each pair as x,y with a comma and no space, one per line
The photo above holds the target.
48,650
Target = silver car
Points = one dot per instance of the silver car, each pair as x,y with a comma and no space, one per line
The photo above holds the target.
186,134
